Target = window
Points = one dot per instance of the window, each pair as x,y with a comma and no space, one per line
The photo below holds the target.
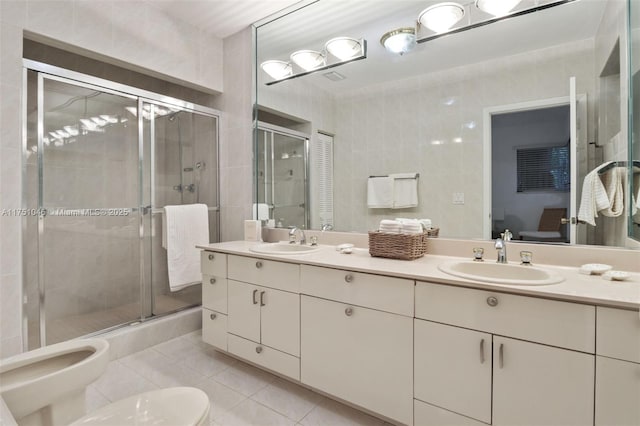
544,169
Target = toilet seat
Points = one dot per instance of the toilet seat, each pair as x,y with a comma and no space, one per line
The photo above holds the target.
172,406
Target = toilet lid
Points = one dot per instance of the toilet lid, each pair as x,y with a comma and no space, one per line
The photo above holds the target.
171,406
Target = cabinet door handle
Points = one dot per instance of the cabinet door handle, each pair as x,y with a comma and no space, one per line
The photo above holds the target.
492,301
482,351
258,349
348,278
211,257
213,316
258,264
349,311
501,355
255,301
212,280
262,298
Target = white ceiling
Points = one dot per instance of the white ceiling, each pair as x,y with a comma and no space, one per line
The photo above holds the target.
221,18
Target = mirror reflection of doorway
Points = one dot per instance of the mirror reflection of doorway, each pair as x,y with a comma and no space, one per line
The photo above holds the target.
531,175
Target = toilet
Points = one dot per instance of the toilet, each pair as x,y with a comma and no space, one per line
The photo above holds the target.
183,406
46,386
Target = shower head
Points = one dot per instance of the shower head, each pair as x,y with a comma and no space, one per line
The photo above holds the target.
173,115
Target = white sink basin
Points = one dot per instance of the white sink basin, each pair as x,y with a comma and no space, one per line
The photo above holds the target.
283,249
500,273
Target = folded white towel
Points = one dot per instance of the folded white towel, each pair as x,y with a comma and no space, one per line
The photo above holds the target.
380,192
260,211
390,226
426,223
186,227
405,190
594,197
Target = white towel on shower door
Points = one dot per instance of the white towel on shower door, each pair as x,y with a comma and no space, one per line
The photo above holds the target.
186,226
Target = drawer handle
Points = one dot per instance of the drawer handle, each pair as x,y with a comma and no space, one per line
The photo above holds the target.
211,257
213,316
492,301
348,278
258,264
262,298
258,349
255,301
212,280
501,355
481,351
349,311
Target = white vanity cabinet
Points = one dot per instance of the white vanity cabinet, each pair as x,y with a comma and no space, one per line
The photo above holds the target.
214,298
348,349
617,367
263,309
487,370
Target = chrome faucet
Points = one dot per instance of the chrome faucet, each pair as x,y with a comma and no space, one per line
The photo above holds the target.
501,245
292,236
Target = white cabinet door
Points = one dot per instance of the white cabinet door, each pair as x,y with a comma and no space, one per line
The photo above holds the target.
280,320
541,385
243,310
360,355
617,392
452,368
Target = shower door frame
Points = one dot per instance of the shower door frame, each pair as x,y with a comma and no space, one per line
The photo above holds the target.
273,129
46,71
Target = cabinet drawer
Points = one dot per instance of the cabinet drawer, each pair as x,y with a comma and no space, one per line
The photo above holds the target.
213,263
268,273
563,324
373,291
618,334
617,392
265,356
214,329
214,293
429,415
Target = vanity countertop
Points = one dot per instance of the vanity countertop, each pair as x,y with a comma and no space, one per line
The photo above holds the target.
576,287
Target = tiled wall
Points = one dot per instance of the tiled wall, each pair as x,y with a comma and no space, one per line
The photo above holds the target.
126,32
236,136
433,124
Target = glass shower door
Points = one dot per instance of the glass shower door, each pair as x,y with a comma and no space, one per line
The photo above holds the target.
91,209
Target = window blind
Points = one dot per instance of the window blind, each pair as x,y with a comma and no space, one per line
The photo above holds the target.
545,168
322,178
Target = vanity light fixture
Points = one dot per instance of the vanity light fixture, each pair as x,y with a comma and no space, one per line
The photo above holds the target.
277,69
400,40
337,51
344,48
497,7
308,60
441,17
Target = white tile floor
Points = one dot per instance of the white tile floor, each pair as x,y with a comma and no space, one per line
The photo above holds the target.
240,394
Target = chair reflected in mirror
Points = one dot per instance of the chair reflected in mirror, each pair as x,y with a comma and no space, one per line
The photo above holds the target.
550,227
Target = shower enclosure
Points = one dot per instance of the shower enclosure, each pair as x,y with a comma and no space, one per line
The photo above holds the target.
282,167
100,161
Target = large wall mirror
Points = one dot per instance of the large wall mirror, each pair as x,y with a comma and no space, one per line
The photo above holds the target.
500,124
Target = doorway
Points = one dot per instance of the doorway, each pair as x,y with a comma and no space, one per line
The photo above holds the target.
530,173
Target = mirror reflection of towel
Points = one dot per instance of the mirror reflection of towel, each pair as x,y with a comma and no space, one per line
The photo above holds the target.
380,192
405,190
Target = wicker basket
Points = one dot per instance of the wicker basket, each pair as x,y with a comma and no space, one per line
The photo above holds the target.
399,246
